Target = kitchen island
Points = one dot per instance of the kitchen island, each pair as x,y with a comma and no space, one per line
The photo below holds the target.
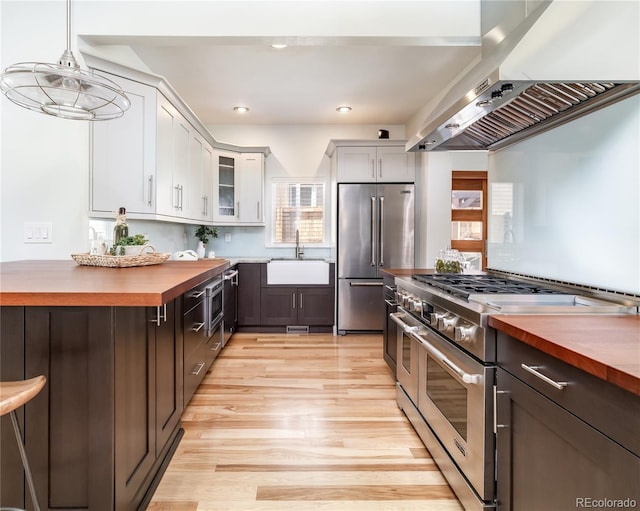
110,342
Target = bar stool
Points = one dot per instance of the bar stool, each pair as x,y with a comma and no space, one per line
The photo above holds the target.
13,395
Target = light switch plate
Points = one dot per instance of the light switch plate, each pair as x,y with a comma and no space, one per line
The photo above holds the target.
38,232
227,237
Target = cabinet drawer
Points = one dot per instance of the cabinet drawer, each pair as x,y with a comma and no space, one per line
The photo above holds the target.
195,328
195,295
608,408
214,344
195,368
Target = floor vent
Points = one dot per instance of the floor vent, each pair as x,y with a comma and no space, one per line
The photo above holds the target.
297,329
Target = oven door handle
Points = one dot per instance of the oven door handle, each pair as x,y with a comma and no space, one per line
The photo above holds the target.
231,275
395,316
472,379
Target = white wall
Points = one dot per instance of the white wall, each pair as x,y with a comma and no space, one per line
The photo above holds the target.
44,164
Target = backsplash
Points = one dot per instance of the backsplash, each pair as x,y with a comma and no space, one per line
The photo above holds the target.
565,205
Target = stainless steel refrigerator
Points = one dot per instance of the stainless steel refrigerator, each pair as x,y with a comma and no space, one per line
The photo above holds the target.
375,231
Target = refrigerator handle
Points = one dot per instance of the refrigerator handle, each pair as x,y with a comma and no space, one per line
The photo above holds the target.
373,231
381,225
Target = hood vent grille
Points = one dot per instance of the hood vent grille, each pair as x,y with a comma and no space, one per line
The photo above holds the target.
536,104
494,119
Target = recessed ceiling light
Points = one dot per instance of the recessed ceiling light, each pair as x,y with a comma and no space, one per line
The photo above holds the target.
343,109
278,46
241,109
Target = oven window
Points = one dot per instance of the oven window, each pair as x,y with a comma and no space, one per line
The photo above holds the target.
216,305
448,395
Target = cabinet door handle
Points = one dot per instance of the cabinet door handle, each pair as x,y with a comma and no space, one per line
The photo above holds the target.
258,210
161,315
293,299
534,371
197,327
196,370
204,205
381,229
177,202
150,180
301,301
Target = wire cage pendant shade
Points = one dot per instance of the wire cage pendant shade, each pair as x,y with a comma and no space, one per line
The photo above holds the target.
63,89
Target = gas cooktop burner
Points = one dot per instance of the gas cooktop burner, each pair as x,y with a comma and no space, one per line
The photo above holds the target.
466,285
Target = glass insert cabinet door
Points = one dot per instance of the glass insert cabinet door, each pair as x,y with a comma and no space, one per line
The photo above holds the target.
226,186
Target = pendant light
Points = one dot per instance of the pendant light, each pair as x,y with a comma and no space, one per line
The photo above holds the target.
63,89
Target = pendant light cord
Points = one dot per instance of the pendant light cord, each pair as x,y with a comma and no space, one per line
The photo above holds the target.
68,25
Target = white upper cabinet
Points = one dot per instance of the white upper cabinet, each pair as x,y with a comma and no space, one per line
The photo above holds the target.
155,162
370,162
173,146
251,189
239,188
123,170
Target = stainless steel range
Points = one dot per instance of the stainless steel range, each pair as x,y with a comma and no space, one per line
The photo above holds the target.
446,362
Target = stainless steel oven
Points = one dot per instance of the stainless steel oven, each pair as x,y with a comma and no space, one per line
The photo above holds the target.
449,397
454,394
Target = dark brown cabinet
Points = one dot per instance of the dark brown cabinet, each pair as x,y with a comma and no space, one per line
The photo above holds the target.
565,446
302,306
148,396
249,294
98,433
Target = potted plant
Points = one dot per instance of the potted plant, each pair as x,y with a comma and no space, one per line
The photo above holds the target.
203,233
129,245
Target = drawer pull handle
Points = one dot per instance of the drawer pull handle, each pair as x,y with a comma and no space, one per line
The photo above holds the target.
215,348
197,327
197,294
197,369
534,371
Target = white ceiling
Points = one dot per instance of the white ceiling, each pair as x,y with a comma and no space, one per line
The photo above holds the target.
305,84
386,59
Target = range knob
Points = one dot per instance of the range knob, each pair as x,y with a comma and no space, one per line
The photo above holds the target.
463,333
434,317
446,323
415,305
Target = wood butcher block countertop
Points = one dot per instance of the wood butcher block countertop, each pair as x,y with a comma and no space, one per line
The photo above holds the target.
65,283
605,346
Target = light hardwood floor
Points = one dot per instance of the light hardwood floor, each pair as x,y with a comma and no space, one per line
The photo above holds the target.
300,422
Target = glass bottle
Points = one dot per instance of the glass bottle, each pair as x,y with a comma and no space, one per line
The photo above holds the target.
121,230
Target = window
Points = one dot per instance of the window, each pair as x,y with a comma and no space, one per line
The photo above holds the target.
299,207
469,216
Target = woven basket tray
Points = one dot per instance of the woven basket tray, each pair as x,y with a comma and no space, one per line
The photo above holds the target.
125,261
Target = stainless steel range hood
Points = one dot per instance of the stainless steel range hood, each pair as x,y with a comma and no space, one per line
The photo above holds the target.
487,110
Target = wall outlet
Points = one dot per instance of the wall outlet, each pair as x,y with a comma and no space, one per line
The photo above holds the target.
227,237
38,232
